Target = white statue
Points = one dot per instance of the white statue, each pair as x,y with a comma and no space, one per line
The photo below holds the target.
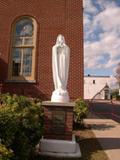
60,68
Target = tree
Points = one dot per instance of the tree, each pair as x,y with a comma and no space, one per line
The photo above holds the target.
118,75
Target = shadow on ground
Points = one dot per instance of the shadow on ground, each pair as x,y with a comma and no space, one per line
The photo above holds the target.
102,127
109,143
91,150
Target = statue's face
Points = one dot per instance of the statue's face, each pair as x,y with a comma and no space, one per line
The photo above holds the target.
61,39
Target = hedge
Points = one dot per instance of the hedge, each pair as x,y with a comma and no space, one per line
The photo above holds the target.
21,124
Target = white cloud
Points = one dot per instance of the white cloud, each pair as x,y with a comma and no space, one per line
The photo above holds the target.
87,20
105,3
107,45
108,19
89,7
102,35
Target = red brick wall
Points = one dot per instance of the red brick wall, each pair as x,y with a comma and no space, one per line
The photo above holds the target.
53,17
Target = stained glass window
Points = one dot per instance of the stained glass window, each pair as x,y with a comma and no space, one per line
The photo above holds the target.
16,61
23,48
27,61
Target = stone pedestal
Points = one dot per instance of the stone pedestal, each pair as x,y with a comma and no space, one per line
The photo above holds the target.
58,140
58,122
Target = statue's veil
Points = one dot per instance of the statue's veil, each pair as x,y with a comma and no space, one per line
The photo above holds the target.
60,38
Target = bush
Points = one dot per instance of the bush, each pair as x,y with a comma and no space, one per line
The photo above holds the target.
21,123
80,111
5,154
118,97
115,94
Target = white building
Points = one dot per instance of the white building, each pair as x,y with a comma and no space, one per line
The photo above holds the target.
98,87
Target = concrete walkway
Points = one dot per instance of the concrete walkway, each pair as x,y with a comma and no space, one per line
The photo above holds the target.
108,133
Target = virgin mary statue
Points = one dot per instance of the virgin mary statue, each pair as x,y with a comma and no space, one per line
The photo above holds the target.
60,68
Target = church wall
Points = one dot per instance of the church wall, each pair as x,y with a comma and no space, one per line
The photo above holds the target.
53,17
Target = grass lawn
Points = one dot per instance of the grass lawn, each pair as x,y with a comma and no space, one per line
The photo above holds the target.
90,147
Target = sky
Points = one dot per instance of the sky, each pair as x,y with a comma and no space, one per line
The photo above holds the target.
101,36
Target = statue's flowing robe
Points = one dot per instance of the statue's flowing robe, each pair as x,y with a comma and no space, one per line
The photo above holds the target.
60,65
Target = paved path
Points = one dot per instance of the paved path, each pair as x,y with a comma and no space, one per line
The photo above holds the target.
108,133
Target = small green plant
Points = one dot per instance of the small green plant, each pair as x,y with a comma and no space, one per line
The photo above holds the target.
80,111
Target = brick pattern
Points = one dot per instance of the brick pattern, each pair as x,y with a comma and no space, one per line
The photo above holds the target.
48,123
53,17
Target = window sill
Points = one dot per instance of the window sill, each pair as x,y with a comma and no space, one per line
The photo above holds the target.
20,81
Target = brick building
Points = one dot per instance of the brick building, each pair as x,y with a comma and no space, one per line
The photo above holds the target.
28,30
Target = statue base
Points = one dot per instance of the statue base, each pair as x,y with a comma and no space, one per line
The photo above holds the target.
61,96
58,140
59,148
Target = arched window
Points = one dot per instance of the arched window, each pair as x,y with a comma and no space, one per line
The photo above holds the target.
22,59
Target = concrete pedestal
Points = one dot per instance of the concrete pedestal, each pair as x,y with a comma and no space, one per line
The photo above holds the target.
59,148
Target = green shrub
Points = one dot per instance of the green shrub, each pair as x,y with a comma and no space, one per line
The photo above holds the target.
118,97
21,124
80,111
5,154
115,94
